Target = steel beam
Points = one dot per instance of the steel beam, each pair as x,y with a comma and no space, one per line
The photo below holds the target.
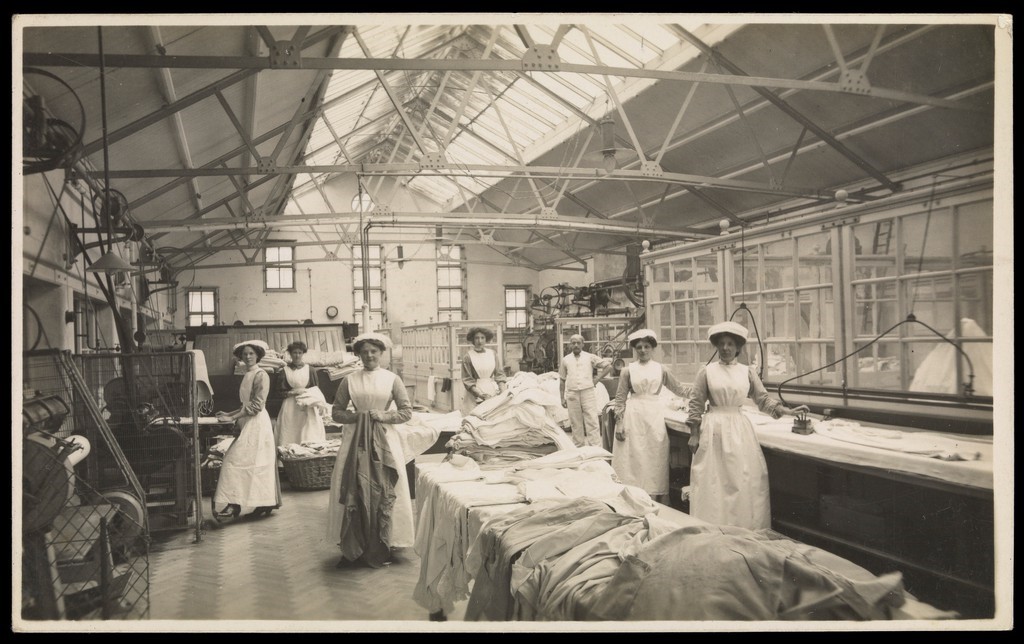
38,59
793,113
412,219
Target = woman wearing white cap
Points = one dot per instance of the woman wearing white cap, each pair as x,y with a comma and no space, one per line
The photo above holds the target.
248,476
369,510
728,475
640,454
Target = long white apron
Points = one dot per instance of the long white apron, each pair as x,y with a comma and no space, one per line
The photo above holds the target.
642,459
295,423
248,475
484,362
372,390
728,476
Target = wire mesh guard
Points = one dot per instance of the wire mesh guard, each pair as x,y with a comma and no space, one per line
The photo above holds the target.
85,539
148,401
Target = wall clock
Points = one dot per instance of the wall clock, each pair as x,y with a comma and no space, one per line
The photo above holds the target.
332,312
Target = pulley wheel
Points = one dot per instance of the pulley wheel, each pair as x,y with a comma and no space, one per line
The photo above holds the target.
130,520
48,481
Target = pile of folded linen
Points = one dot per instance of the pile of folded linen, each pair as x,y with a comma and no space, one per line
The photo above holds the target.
512,426
310,449
215,453
272,361
313,397
338,364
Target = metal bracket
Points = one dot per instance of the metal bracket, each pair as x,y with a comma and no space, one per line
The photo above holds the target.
285,55
433,161
651,169
541,58
548,213
774,184
382,209
855,82
266,165
715,249
841,222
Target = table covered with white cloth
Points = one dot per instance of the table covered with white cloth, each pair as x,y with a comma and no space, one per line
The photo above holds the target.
957,459
567,542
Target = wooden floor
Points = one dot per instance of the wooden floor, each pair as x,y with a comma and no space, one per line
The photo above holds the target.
276,568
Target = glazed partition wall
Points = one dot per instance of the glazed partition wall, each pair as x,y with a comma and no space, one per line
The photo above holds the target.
431,360
819,289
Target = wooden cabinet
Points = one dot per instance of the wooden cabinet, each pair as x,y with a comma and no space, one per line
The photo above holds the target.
939,536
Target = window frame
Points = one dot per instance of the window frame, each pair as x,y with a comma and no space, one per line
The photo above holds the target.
278,265
444,314
357,280
189,313
525,309
972,273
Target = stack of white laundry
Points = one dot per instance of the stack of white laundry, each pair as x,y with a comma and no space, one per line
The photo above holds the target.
515,425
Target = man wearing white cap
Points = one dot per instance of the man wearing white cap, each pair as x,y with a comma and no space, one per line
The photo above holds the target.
728,475
576,383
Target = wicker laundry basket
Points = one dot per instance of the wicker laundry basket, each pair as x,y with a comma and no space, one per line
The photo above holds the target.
312,473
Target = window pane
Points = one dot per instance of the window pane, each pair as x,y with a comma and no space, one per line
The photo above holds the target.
271,254
816,314
376,300
746,269
778,264
778,315
273,278
195,301
875,249
208,304
682,272
931,301
209,319
285,277
660,273
976,299
928,239
780,362
877,367
456,298
284,254
974,234
449,277
357,297
455,253
706,282
515,298
814,356
815,259
375,277
705,317
683,320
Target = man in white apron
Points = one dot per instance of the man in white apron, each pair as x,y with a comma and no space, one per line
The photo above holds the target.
577,383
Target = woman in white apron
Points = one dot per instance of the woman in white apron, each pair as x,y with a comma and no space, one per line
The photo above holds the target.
483,375
640,455
372,389
248,476
297,423
728,474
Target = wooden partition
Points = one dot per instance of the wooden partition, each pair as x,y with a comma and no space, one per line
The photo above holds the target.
216,341
432,354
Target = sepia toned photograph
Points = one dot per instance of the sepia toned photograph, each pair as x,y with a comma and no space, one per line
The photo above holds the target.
495,322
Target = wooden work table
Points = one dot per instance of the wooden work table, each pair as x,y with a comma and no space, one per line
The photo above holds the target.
885,509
